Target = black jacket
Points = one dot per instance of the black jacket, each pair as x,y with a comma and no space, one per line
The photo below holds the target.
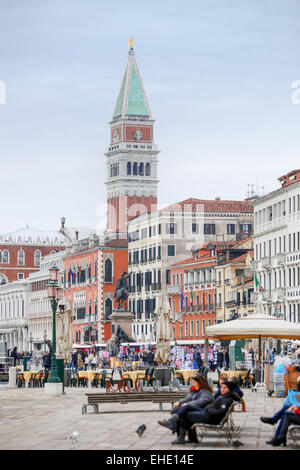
236,390
218,409
199,398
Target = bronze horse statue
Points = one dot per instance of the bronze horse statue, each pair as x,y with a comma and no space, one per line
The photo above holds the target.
122,290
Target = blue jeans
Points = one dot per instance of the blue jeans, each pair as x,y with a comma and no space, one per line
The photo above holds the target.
279,416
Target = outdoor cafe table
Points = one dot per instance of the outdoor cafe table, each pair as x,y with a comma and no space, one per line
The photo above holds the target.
134,374
27,375
235,373
89,374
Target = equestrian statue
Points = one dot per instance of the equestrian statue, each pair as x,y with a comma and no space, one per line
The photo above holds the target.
122,290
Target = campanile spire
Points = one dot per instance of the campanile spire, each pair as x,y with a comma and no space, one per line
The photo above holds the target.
132,154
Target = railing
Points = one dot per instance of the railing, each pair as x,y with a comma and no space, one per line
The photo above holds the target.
266,262
174,289
230,303
267,295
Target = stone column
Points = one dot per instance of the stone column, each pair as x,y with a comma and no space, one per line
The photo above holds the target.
12,380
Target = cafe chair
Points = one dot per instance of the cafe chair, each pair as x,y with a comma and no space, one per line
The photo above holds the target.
20,380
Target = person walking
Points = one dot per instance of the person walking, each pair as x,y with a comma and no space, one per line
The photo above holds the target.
86,361
14,354
93,360
80,361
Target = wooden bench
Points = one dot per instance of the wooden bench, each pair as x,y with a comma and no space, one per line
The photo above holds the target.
226,426
94,399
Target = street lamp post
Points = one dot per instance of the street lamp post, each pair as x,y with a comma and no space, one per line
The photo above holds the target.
45,339
54,294
30,342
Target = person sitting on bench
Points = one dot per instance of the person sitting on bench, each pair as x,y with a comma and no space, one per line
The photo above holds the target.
213,413
201,394
280,415
236,388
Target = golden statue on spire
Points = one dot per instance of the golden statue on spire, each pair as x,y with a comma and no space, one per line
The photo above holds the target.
130,43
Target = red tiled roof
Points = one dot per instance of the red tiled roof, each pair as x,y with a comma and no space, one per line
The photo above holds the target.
243,257
190,205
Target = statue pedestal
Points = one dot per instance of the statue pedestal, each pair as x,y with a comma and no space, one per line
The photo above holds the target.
124,319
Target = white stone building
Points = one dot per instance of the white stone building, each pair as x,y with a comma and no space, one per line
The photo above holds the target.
277,247
39,309
160,239
13,315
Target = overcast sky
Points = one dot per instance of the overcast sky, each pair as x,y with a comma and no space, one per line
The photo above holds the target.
218,77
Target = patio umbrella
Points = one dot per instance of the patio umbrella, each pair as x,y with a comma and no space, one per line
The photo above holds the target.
255,326
164,330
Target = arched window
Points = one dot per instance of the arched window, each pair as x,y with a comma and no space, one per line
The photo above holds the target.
147,169
108,308
0,256
135,168
111,170
128,168
5,256
21,258
141,169
108,270
37,258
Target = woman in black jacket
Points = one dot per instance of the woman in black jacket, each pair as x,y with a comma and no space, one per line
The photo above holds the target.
213,413
200,396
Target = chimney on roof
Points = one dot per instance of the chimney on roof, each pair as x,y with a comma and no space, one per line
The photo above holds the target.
76,234
63,221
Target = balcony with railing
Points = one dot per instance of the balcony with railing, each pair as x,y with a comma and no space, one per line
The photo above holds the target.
280,292
281,258
173,289
266,262
230,303
267,295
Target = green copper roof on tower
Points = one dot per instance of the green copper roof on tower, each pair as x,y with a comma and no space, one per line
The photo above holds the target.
136,103
120,100
132,100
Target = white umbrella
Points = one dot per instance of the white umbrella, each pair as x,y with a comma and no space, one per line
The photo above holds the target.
255,326
164,331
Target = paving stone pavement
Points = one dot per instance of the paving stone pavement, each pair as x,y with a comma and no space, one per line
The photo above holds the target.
31,420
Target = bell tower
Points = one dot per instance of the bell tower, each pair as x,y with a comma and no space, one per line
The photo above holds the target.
132,154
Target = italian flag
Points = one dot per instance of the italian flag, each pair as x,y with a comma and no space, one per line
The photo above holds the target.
257,283
192,296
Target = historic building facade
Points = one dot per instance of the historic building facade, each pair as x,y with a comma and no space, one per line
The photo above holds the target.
21,251
39,312
158,240
277,247
234,281
13,315
192,293
91,269
131,156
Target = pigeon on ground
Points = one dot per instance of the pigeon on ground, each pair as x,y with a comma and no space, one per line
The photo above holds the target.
237,444
270,393
140,430
73,437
